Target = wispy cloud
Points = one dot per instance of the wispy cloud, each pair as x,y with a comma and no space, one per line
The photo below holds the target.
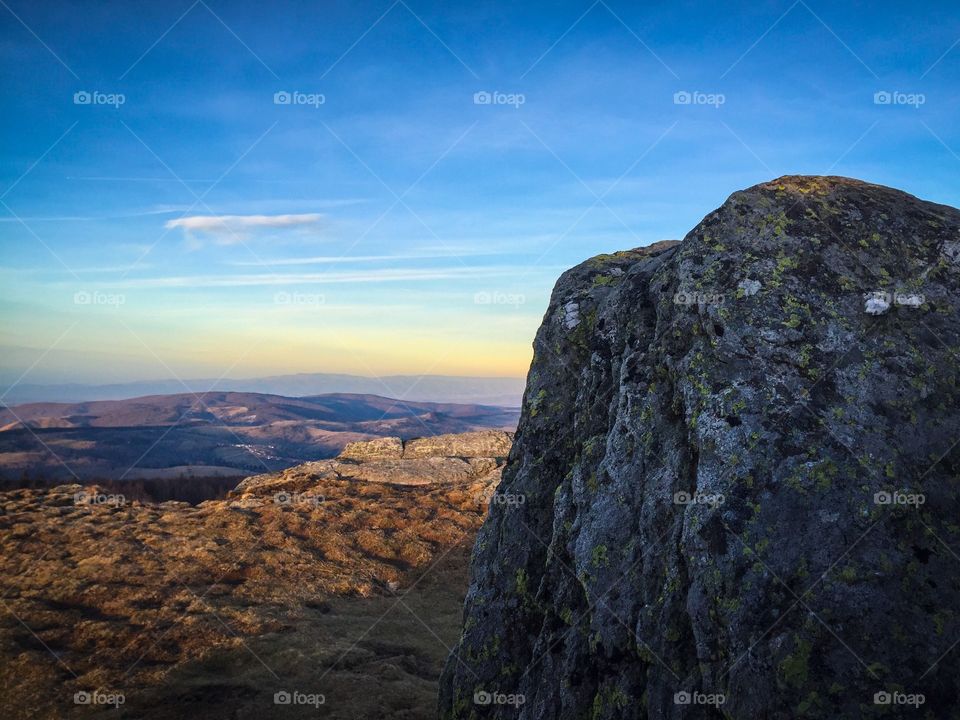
160,210
229,229
334,259
358,276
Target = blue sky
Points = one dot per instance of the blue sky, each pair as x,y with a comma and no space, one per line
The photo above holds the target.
384,221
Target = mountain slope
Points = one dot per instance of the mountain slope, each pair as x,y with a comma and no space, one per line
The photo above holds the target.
214,433
425,388
312,580
739,464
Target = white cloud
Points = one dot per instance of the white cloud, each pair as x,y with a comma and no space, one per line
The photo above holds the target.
229,229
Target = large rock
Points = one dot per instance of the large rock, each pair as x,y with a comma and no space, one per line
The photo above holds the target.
383,448
717,479
479,444
437,460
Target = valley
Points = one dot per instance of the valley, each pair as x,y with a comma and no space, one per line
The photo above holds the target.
213,434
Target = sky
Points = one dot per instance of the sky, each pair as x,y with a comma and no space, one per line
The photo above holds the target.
235,189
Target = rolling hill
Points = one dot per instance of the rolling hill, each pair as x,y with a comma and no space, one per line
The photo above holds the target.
216,433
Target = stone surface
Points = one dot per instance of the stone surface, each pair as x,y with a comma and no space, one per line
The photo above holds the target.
480,444
450,458
385,448
730,489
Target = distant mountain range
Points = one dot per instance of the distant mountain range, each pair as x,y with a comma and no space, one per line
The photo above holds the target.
505,392
215,433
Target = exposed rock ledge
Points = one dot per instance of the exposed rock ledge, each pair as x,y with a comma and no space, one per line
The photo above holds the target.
453,458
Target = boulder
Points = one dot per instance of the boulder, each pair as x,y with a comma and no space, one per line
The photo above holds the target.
739,480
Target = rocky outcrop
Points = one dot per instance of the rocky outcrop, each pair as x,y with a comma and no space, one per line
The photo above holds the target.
385,448
480,444
733,490
452,458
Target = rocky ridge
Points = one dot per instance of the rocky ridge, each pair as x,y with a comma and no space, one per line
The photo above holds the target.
738,461
451,458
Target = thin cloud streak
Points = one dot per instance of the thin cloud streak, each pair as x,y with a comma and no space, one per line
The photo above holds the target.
331,259
234,229
227,223
371,276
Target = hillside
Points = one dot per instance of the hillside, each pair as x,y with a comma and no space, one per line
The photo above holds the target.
320,580
214,433
419,388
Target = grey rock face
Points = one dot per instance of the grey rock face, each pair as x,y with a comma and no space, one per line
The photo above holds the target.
738,501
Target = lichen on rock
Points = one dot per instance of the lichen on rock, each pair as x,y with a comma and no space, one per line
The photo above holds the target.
623,587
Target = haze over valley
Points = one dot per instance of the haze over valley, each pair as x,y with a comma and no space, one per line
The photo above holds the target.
213,434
